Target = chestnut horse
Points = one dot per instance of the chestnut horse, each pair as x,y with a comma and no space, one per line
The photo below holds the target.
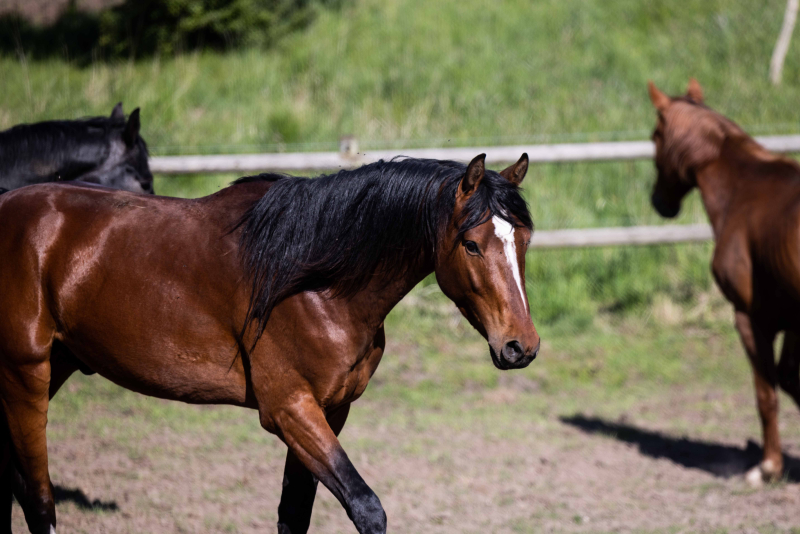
752,198
270,294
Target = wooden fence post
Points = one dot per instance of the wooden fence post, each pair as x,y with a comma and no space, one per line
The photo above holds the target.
782,45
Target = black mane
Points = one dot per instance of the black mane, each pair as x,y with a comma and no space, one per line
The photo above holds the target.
337,231
71,147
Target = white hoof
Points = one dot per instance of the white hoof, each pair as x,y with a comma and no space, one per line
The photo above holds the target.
754,477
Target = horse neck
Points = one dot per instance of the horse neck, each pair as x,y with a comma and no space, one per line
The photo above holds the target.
49,160
719,179
371,305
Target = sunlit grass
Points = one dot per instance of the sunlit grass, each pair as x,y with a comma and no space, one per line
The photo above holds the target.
410,72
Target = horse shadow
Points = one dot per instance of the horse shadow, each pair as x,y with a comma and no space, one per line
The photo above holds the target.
723,461
79,499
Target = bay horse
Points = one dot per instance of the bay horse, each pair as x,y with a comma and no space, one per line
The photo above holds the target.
752,198
102,150
270,294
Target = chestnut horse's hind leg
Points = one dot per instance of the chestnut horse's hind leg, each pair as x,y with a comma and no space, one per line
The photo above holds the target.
300,486
304,428
24,390
758,345
789,366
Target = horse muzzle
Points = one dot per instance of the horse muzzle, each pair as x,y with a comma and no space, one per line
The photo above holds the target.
663,208
513,356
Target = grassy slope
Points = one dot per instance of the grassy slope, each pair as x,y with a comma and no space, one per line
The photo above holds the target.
409,71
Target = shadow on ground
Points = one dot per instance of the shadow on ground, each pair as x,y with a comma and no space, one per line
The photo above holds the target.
719,460
80,499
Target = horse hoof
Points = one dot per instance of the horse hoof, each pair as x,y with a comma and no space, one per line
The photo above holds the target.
764,472
754,477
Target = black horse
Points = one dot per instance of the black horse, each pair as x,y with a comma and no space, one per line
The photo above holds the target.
102,150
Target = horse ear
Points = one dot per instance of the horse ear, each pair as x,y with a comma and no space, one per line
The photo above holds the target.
694,91
516,172
659,99
475,172
132,128
117,112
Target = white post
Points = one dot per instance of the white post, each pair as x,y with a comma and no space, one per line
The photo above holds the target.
782,46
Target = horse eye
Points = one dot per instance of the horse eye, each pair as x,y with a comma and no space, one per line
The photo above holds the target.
472,247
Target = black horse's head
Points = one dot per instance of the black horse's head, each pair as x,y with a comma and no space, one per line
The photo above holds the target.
126,165
104,150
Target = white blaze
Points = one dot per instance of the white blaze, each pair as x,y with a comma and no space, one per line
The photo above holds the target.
505,231
52,529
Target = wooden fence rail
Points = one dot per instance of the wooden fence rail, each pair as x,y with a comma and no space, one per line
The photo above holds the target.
631,235
322,161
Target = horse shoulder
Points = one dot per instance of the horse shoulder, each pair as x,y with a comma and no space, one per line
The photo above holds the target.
316,344
732,267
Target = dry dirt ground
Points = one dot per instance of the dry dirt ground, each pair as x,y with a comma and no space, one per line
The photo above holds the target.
508,458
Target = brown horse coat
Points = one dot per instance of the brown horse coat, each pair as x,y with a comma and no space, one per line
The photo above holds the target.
151,293
752,198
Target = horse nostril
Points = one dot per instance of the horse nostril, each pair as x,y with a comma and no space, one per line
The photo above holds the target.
536,350
512,351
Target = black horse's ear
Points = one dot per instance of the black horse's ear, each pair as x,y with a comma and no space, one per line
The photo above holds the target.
475,172
516,172
132,128
117,112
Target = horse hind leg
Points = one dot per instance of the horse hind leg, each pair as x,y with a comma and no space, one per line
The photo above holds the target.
62,365
758,345
24,391
789,366
6,481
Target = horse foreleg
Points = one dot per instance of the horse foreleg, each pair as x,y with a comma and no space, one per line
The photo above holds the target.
309,436
297,498
300,485
758,345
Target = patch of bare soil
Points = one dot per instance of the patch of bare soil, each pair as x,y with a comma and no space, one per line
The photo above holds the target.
674,465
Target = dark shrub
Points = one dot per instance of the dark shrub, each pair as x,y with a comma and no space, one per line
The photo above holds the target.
139,28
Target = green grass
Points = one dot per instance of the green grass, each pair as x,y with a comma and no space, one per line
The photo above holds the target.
404,73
